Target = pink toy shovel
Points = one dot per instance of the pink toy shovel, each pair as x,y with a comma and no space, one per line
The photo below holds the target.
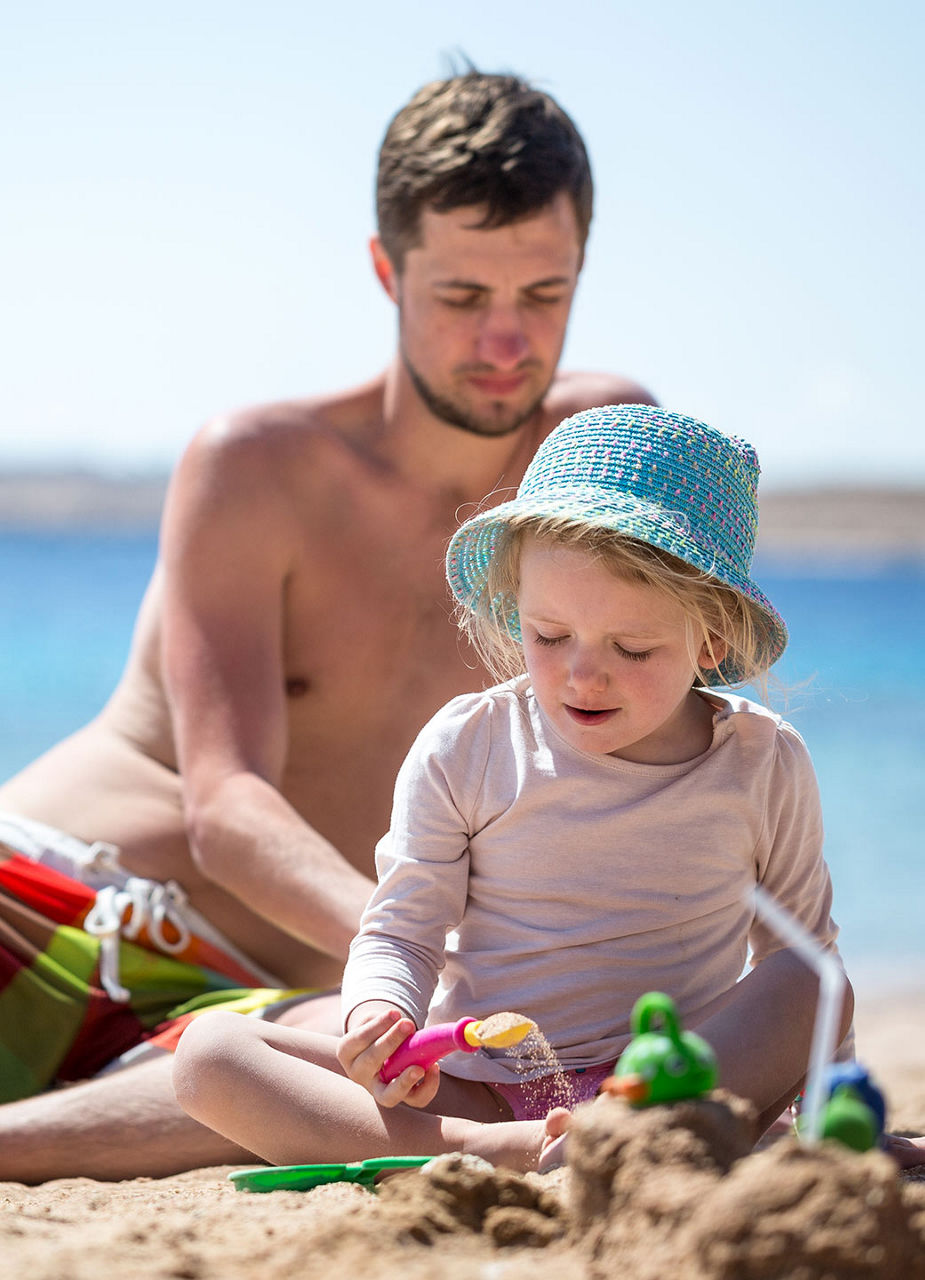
427,1046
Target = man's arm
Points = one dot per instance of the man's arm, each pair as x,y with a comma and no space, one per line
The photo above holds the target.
230,543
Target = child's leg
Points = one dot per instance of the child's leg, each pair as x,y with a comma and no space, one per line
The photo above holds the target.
762,1031
280,1093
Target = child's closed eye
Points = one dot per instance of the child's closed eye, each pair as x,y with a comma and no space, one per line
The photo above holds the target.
634,655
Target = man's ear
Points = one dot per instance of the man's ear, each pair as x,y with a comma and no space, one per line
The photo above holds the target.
382,265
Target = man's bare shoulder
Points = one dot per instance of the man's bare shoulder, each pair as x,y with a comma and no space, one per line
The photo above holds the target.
267,465
277,425
573,391
283,441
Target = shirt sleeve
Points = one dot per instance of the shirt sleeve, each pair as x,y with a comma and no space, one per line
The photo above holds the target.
791,865
422,866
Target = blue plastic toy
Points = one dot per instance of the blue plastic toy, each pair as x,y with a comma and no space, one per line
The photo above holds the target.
855,1113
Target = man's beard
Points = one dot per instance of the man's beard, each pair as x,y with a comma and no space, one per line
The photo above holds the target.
454,415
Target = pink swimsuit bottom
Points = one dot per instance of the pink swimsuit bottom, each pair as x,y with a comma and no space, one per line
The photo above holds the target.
534,1099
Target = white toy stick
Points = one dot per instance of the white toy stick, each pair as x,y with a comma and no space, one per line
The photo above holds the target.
831,991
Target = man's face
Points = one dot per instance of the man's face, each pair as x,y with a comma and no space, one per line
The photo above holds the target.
483,314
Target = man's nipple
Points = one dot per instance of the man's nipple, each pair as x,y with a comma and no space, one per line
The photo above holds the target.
296,687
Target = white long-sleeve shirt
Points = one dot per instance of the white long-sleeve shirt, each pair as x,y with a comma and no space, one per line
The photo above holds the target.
520,873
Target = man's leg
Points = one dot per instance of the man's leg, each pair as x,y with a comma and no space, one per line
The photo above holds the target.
124,1125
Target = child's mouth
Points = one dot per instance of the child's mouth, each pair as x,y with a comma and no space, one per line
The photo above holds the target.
582,715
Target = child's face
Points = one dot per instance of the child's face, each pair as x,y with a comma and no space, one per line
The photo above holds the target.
608,659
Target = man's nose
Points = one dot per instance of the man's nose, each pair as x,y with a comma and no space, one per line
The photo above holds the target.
502,341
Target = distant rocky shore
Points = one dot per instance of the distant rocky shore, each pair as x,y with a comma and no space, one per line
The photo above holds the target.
71,500
837,522
844,522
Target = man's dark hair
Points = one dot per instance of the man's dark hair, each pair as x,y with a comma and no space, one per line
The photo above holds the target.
476,139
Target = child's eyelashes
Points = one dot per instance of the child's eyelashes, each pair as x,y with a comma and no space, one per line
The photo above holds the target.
549,641
632,655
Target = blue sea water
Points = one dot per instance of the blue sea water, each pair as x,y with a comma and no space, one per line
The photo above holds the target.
854,671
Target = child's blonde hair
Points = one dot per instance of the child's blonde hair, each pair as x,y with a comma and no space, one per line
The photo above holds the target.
730,627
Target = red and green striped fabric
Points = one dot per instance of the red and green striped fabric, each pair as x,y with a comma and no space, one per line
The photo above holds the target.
56,1021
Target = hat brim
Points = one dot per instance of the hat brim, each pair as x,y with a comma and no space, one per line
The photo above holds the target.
473,545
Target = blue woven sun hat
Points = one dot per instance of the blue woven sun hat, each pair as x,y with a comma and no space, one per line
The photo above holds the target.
653,475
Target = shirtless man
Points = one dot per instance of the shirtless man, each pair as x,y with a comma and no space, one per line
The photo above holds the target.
297,632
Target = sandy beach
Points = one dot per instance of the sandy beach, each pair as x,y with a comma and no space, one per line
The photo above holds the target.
646,1194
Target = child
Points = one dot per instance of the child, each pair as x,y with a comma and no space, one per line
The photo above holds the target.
582,833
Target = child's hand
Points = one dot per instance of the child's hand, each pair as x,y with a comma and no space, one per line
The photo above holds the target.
370,1039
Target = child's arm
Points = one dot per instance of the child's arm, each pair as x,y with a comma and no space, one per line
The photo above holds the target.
789,857
423,871
762,1028
375,1030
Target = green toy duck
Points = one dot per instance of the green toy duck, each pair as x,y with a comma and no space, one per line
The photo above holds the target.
661,1063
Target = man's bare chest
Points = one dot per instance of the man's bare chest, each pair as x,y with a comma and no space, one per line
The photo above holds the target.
369,629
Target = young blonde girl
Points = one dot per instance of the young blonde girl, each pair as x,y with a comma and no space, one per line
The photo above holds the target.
580,833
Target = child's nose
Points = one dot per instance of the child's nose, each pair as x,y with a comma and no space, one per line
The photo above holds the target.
587,672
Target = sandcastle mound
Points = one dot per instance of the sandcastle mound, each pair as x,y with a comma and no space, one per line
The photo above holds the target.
461,1194
670,1190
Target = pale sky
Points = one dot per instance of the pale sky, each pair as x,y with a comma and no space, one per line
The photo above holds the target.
187,194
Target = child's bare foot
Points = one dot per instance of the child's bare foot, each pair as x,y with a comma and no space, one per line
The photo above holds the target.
907,1152
552,1152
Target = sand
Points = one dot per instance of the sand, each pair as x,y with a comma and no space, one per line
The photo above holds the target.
669,1191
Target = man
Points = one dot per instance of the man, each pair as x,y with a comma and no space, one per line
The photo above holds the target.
297,632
